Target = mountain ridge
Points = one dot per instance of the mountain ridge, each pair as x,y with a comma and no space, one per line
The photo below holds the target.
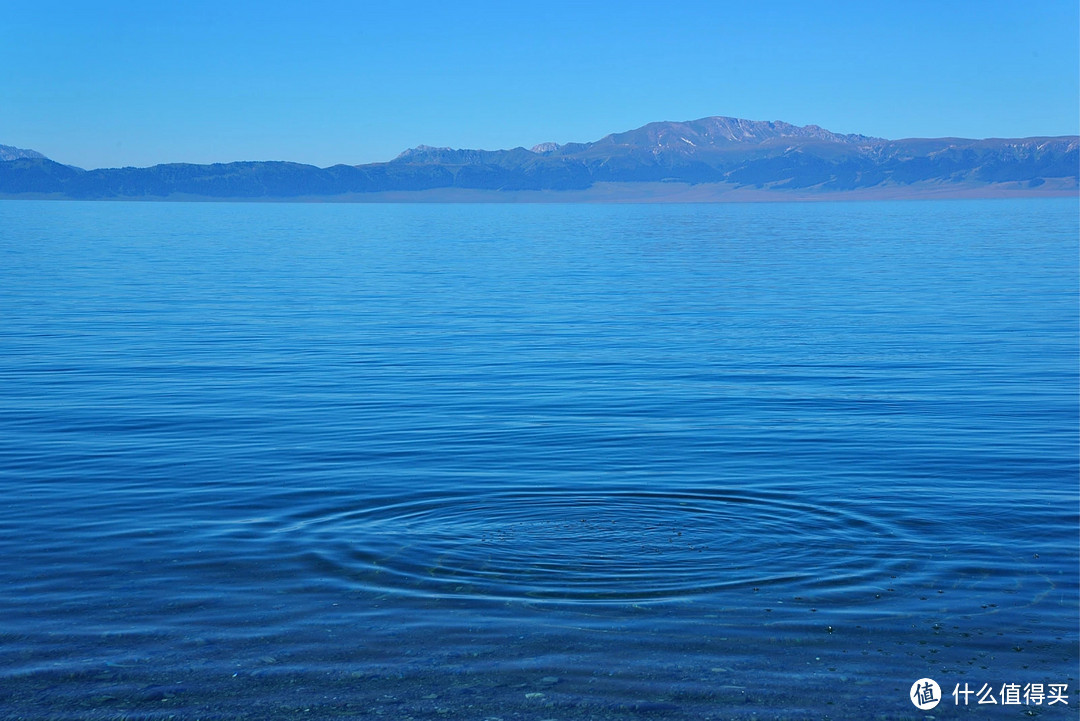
728,153
9,152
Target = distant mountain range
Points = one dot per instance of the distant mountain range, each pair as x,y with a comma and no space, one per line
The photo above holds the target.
713,158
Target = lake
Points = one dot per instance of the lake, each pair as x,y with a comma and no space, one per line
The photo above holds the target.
739,461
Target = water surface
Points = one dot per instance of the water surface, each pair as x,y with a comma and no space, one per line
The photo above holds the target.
535,462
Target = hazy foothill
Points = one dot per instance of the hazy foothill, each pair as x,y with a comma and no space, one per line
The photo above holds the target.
711,159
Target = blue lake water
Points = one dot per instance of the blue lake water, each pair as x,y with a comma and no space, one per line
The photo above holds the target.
537,462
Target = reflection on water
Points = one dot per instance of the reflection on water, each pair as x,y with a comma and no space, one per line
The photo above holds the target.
571,462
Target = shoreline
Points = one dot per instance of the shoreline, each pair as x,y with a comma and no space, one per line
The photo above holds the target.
643,193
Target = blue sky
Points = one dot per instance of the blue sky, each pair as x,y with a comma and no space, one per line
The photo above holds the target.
104,84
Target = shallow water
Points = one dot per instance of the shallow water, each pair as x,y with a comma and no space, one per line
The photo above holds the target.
536,462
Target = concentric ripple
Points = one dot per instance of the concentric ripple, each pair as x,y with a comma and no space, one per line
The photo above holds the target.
579,546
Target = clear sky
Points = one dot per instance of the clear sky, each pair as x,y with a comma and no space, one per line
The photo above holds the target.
112,83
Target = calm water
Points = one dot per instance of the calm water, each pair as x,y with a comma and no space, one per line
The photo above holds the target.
536,462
